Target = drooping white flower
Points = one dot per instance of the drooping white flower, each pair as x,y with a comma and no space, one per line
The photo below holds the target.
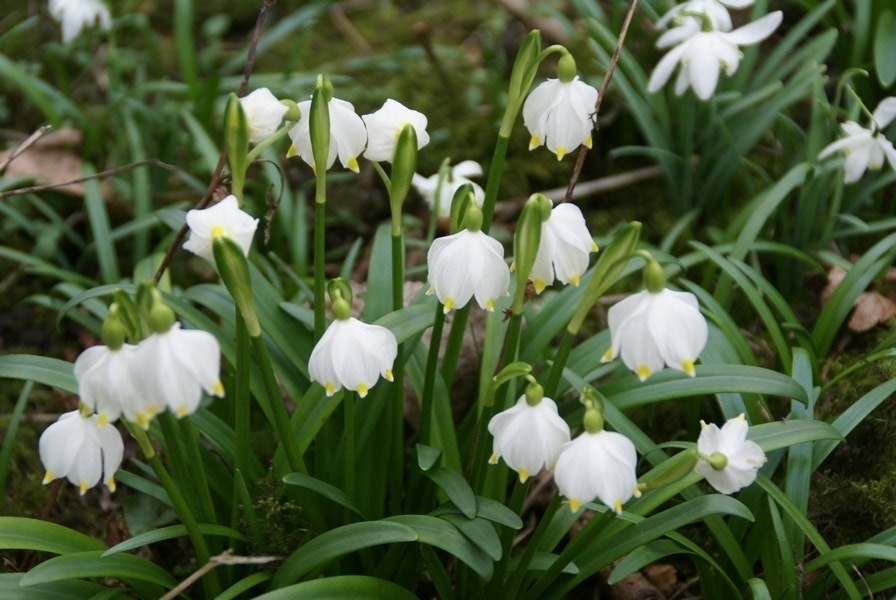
716,11
728,460
558,114
865,148
467,264
528,437
598,465
174,368
83,449
348,135
703,54
105,379
75,15
352,354
441,193
224,218
563,249
264,113
384,126
652,329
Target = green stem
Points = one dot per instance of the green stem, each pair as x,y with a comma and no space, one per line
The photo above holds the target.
397,417
277,408
481,448
429,382
241,401
277,135
512,589
211,583
494,181
560,358
320,198
455,342
576,546
348,407
520,491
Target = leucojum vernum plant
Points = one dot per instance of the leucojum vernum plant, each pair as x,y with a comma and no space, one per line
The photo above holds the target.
302,433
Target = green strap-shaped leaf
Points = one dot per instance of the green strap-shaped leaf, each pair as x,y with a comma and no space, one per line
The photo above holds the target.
479,531
356,587
19,533
39,369
408,321
10,587
338,542
81,565
456,488
710,379
244,584
782,434
331,492
170,532
885,48
442,534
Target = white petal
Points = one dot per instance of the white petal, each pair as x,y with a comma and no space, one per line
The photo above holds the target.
664,68
704,66
755,32
885,112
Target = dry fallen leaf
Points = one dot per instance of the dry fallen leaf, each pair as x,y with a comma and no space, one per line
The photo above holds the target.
870,309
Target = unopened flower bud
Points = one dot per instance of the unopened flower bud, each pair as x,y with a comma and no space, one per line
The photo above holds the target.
654,277
234,270
566,68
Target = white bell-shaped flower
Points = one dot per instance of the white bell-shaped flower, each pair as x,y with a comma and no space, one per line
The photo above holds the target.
438,191
716,11
348,135
105,379
75,15
224,218
704,54
83,449
528,435
653,329
174,367
598,465
352,354
467,264
728,460
865,149
564,248
264,113
384,126
559,114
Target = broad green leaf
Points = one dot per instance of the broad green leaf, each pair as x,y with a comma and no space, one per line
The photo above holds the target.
243,585
356,587
852,553
331,492
710,379
81,565
338,542
782,434
541,561
20,533
456,488
39,369
885,48
441,534
10,587
758,589
643,556
479,531
171,532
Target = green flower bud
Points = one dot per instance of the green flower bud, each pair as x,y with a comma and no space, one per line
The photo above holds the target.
566,67
339,288
160,318
525,245
404,164
319,124
671,471
473,218
234,270
654,277
128,314
593,421
525,68
342,310
236,140
609,266
534,394
292,110
717,460
462,199
113,332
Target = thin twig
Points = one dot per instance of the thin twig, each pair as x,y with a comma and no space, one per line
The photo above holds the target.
215,180
107,173
225,558
580,160
26,143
